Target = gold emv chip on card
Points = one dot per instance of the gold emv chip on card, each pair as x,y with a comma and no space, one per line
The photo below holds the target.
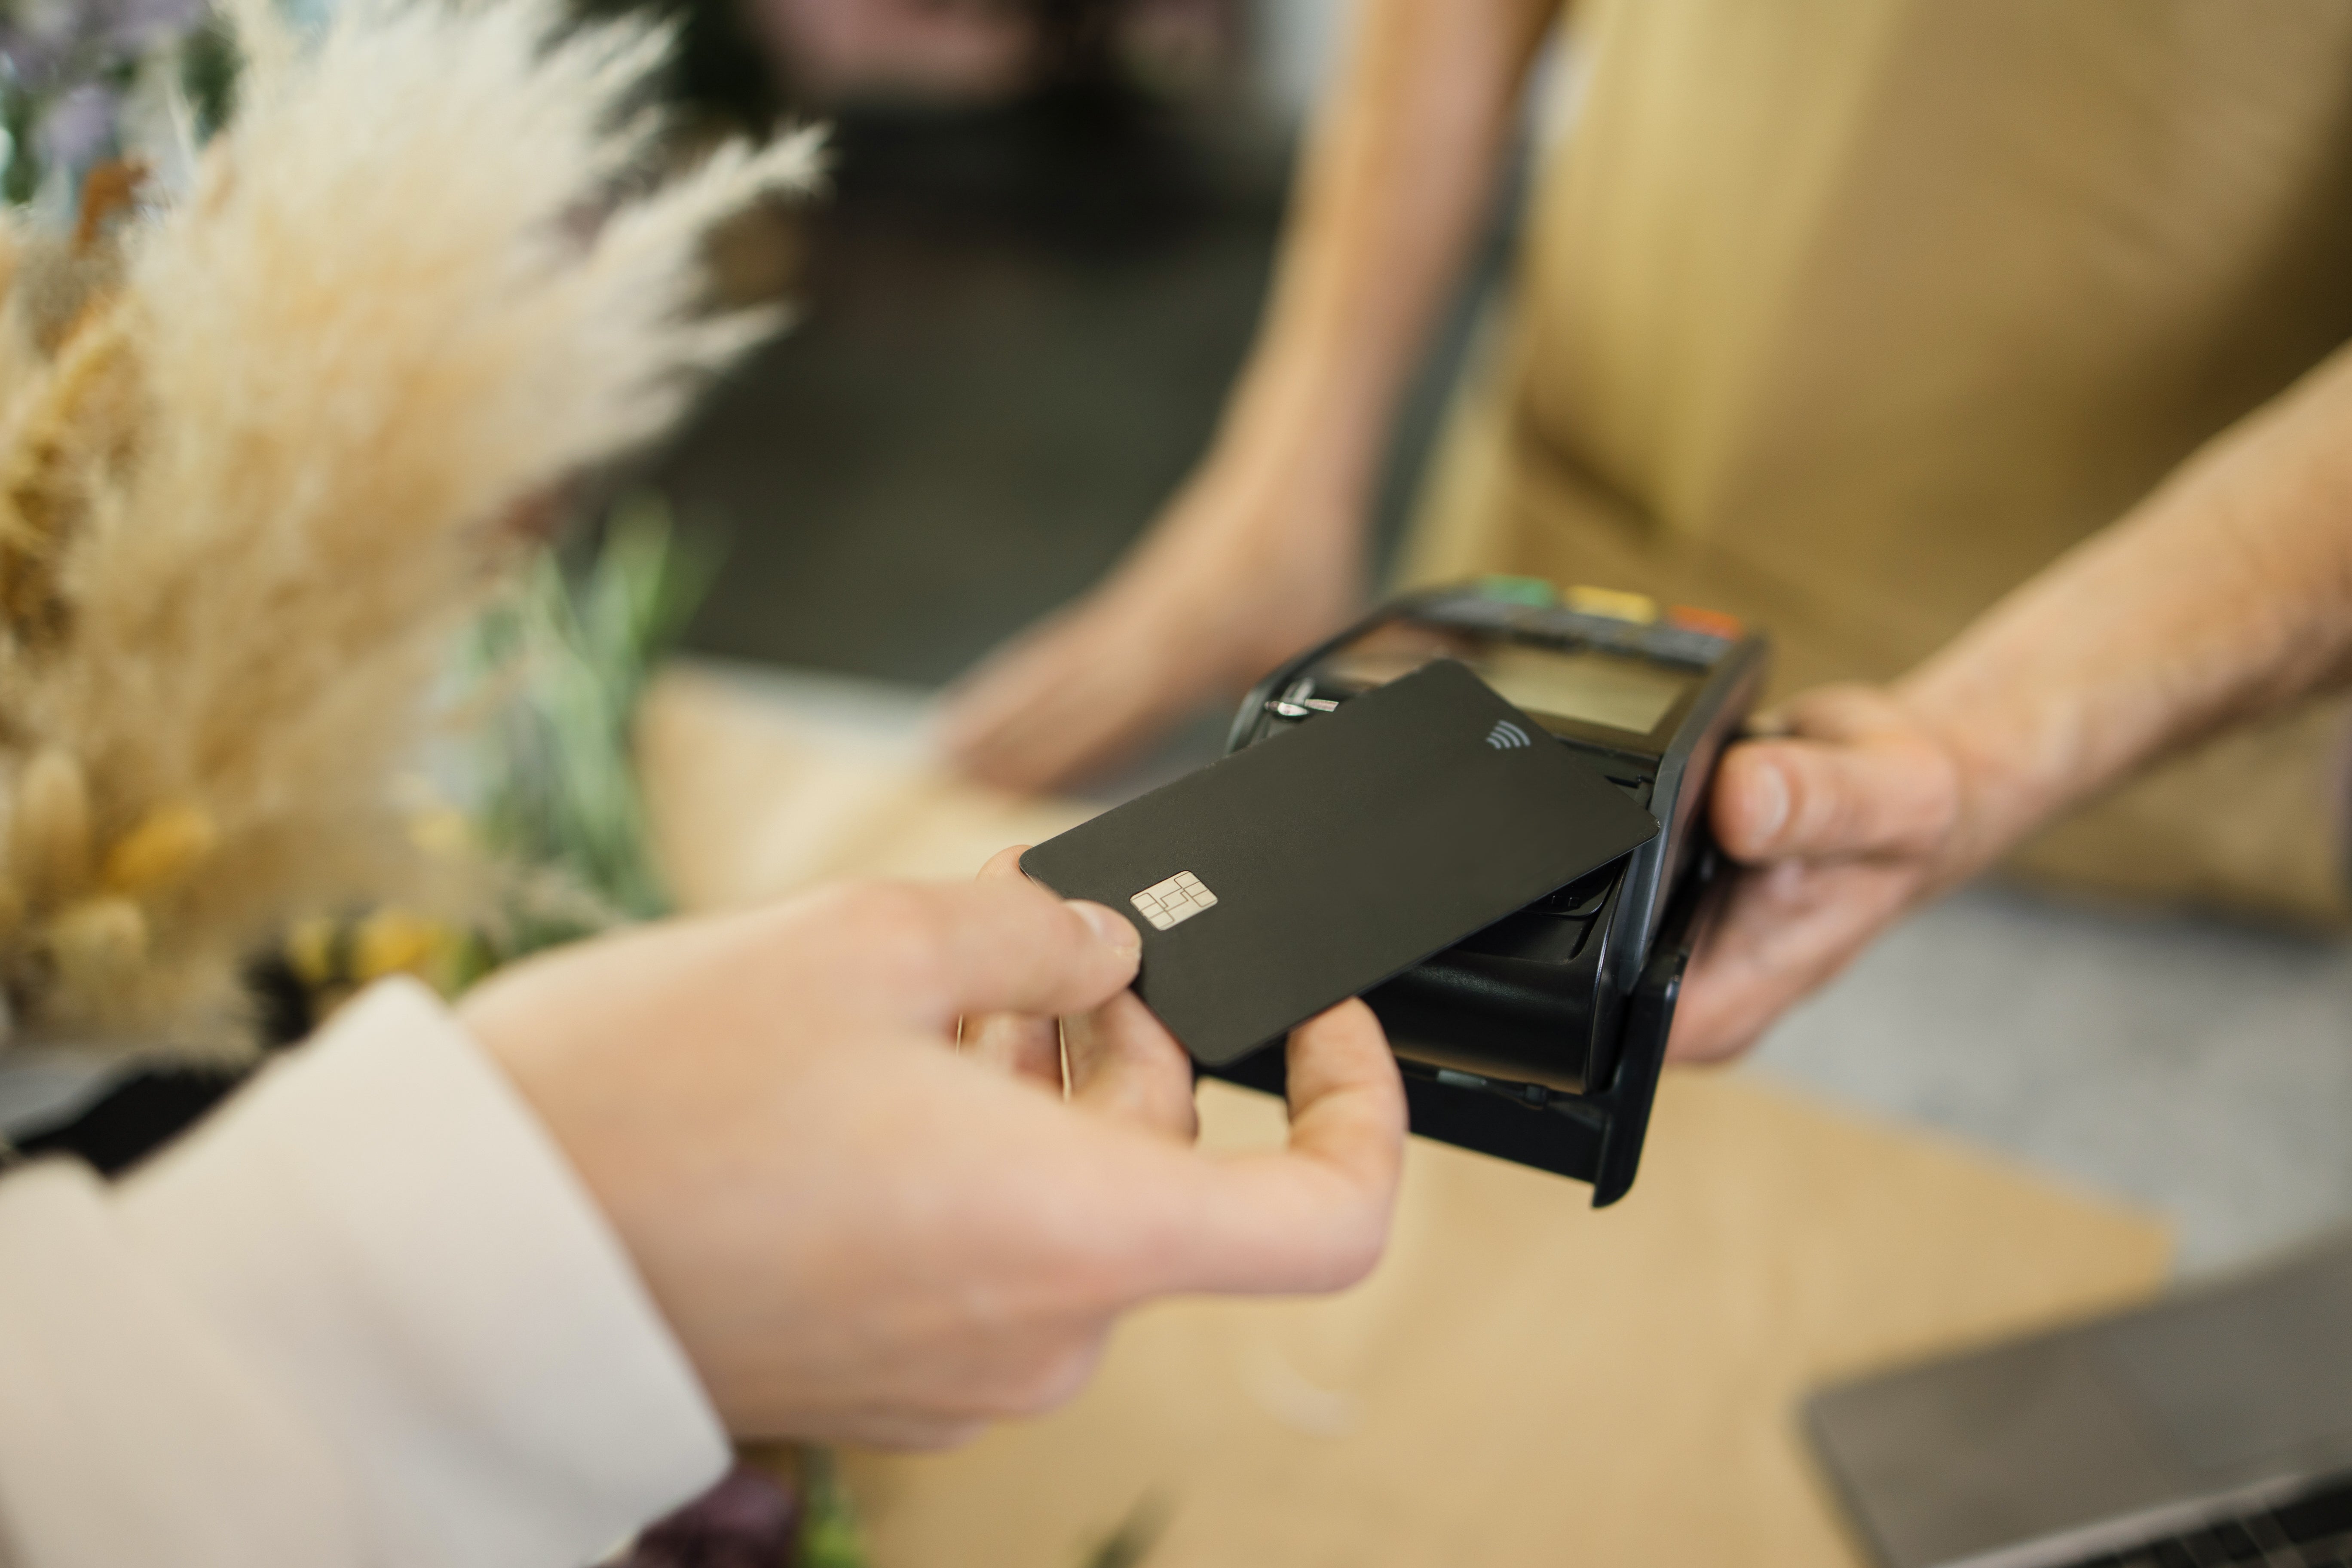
1174,901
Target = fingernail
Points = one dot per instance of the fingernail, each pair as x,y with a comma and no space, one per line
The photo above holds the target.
1117,931
1768,805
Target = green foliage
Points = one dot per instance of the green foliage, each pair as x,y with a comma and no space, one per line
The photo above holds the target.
830,1537
1132,1541
209,63
562,662
20,175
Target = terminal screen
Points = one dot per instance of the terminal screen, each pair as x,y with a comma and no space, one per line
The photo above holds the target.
1586,685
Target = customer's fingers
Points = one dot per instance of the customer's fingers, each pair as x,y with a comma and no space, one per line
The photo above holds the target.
893,1432
1125,1063
932,954
1004,866
1027,1046
1316,1215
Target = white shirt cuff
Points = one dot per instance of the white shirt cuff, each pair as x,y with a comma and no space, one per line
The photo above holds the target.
392,1244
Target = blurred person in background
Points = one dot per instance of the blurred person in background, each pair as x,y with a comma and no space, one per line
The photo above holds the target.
948,52
937,50
1844,318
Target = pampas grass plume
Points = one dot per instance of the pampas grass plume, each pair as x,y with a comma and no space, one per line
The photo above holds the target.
51,848
265,468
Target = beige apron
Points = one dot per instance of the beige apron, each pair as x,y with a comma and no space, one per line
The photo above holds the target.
1847,316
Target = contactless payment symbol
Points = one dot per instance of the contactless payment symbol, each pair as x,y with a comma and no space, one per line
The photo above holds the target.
1174,901
1506,736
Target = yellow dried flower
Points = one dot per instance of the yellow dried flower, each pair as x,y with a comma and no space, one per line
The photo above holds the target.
252,466
80,428
169,843
397,942
50,834
443,832
98,943
310,950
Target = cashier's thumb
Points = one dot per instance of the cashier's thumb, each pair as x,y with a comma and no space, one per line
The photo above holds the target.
1831,800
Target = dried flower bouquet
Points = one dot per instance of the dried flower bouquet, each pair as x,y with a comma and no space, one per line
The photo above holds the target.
260,450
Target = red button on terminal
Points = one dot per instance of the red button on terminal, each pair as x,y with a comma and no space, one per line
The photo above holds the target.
1715,623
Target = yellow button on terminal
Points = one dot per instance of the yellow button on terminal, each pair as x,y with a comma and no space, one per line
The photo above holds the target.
1613,604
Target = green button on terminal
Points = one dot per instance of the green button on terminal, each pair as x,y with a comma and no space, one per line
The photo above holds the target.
1533,591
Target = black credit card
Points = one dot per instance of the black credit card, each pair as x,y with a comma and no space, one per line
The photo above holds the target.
1311,866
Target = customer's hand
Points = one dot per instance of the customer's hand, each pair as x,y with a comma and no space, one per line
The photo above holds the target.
1241,573
1852,811
859,1231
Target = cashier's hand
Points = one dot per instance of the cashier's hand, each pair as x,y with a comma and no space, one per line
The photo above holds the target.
859,1228
1851,812
1246,567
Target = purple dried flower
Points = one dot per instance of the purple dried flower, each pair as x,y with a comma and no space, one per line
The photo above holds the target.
34,48
79,129
63,62
747,1521
135,27
46,42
